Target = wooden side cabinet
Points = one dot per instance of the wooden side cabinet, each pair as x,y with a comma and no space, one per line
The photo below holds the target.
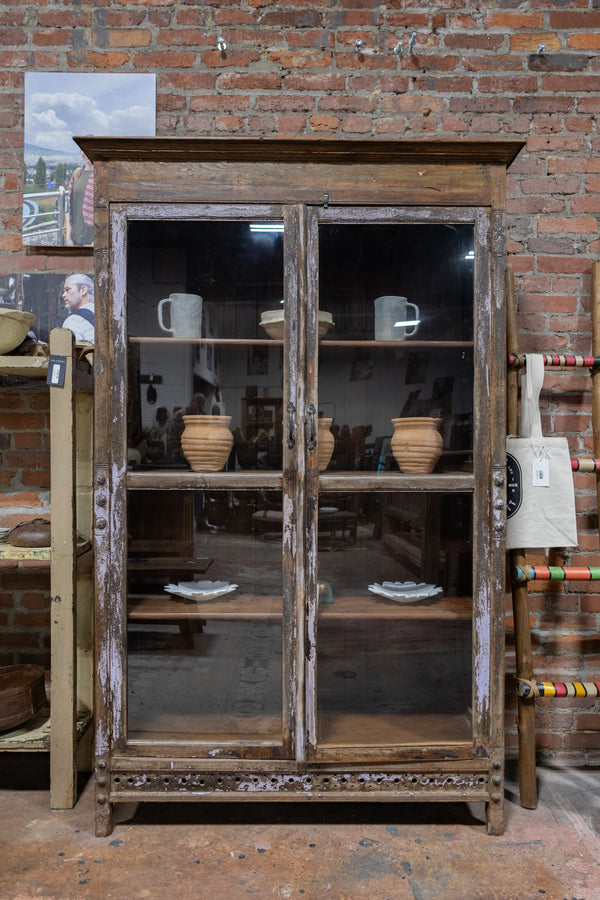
64,730
345,641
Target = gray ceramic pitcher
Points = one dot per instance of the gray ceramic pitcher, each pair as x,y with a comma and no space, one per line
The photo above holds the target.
185,315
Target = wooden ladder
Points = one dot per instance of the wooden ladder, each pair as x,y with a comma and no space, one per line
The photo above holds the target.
521,574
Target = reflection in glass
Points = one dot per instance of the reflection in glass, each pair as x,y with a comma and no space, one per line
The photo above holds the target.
208,283
426,264
211,667
394,669
362,393
391,289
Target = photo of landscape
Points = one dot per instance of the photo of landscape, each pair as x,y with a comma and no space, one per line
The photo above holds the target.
58,182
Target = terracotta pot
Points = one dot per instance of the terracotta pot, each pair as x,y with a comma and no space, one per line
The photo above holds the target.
416,444
206,442
325,443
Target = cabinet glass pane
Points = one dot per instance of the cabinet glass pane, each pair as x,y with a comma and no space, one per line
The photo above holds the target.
394,667
372,369
205,666
214,356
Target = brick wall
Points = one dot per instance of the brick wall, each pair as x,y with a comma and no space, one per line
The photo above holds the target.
474,71
24,494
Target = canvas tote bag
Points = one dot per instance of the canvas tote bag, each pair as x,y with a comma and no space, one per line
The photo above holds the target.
540,494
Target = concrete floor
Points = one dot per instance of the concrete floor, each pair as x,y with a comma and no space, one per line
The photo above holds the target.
309,851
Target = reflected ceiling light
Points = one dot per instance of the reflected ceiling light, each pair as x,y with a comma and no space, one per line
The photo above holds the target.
266,227
470,254
407,323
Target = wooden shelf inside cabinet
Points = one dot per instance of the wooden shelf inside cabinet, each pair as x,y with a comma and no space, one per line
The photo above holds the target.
146,607
70,560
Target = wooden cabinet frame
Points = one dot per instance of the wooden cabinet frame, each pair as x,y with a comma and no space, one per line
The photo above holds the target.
302,182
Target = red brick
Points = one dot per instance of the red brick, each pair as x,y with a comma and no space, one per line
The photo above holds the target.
320,82
264,124
528,42
571,84
555,143
219,102
251,81
165,59
35,600
299,59
129,37
19,422
13,36
454,84
89,59
390,126
574,20
223,17
286,102
178,37
110,18
188,81
314,39
454,124
347,104
324,123
357,124
514,21
460,40
569,225
507,84
229,123
292,124
234,58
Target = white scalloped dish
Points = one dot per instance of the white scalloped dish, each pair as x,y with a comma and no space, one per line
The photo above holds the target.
405,591
200,591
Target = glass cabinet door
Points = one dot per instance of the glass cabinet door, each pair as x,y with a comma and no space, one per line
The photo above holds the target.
207,608
394,527
309,588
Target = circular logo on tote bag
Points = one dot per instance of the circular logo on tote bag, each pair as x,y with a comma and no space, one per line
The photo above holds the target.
514,485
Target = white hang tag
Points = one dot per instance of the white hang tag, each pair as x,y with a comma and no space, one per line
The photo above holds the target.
540,472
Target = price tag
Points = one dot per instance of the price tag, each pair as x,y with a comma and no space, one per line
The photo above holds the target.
540,473
57,367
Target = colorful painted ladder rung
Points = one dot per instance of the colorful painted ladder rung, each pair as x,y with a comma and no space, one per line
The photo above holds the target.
557,360
528,689
555,573
587,466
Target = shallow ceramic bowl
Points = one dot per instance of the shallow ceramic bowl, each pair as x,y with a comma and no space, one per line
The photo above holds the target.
272,322
14,326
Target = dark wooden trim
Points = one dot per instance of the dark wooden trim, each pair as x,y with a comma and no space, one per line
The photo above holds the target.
302,149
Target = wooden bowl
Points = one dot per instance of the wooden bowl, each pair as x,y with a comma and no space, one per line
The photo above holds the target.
14,326
22,694
273,323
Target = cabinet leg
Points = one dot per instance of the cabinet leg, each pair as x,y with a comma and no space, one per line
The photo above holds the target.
494,817
104,817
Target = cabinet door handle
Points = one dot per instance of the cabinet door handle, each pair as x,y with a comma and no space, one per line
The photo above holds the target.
311,421
291,441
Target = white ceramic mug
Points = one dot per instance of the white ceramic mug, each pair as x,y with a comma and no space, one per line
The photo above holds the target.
390,313
185,315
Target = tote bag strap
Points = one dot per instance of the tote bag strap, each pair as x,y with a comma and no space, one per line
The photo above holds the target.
531,420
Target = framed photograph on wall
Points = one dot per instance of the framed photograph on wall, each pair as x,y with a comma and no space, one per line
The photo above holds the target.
57,301
58,194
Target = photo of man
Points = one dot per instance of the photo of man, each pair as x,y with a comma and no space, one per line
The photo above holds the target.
78,297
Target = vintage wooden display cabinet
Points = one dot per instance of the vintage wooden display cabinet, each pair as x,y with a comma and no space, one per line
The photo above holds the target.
290,658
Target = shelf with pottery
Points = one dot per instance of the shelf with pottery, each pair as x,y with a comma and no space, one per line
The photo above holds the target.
250,607
66,732
325,343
